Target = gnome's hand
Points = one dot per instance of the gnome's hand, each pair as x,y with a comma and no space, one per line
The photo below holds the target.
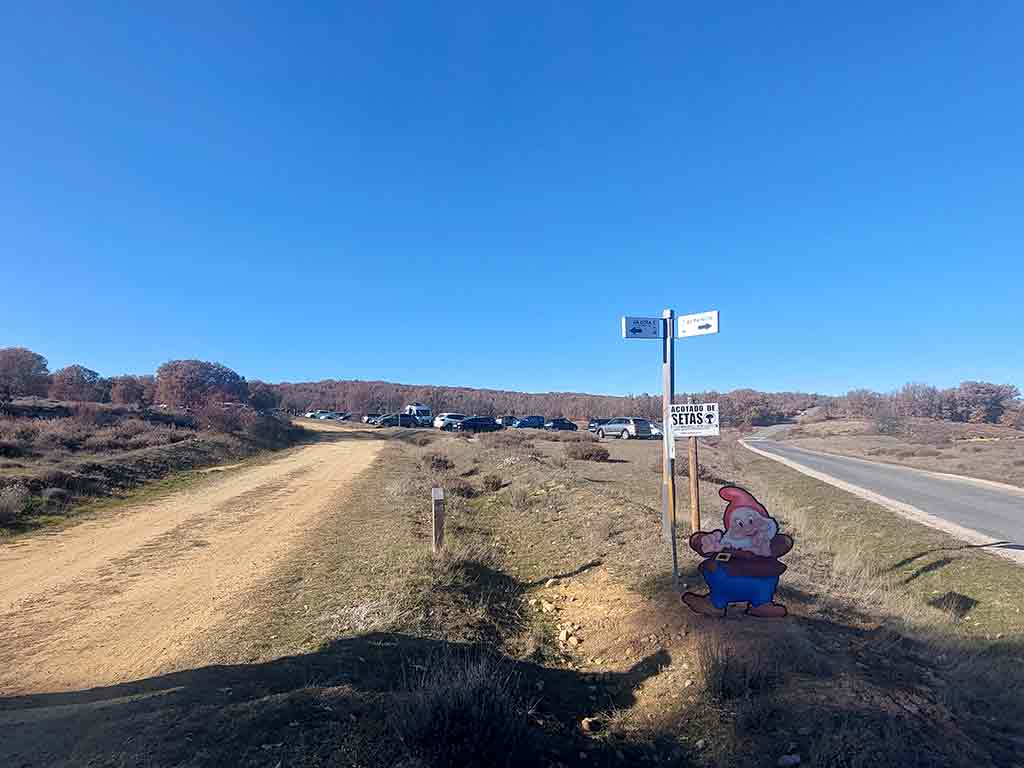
711,542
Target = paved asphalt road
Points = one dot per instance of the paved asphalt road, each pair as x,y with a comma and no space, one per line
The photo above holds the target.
988,510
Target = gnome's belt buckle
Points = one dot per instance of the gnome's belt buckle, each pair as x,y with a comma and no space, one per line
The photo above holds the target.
723,557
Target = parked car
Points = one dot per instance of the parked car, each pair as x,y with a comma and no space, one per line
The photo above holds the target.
655,429
447,421
421,412
397,420
561,424
317,414
477,424
530,422
625,427
506,421
593,424
370,418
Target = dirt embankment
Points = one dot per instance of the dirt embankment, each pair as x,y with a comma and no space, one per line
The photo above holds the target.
135,593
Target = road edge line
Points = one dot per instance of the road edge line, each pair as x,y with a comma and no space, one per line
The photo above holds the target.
908,511
1014,489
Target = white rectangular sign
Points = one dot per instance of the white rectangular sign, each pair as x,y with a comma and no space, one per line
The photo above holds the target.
694,420
641,327
698,324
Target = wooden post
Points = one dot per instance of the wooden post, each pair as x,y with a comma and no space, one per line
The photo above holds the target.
437,518
694,488
668,481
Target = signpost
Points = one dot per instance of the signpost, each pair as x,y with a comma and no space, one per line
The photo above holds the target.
690,420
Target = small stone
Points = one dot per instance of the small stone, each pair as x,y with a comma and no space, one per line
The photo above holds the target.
688,683
563,636
999,636
551,582
788,761
533,601
574,641
591,724
546,607
701,743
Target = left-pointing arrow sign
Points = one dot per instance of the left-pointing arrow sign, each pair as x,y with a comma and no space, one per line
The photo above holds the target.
642,327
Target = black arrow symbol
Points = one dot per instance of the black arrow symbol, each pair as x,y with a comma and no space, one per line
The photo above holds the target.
635,330
704,327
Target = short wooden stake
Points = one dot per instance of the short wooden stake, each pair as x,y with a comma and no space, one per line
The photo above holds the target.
437,518
694,488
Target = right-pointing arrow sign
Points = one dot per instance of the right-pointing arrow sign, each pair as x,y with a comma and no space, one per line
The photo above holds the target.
699,324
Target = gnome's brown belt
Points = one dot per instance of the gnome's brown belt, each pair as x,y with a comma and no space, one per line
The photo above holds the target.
743,564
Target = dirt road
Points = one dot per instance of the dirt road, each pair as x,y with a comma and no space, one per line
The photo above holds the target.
137,592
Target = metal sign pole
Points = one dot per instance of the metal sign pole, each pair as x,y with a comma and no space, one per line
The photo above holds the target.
668,482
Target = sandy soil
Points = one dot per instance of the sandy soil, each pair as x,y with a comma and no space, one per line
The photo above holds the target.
140,591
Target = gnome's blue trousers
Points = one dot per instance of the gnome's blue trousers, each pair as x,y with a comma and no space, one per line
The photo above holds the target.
725,589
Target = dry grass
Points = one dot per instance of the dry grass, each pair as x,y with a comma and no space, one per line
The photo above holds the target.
67,453
462,711
493,483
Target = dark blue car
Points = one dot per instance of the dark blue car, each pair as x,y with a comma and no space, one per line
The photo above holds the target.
530,422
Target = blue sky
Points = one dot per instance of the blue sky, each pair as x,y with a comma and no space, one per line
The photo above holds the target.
429,193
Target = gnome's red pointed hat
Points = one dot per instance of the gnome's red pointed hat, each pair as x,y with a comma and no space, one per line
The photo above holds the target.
737,498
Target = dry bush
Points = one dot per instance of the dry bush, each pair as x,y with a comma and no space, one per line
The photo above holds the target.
55,498
456,486
730,672
586,452
464,711
520,499
437,462
14,500
493,483
567,437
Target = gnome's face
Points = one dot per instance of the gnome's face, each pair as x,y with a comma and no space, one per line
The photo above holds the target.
745,522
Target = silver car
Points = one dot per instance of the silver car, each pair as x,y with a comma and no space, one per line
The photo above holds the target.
626,428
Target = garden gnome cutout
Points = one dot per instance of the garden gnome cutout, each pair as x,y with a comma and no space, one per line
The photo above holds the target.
741,564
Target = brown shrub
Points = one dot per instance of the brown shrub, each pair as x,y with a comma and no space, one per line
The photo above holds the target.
437,462
462,712
456,486
586,452
567,437
13,503
493,483
55,497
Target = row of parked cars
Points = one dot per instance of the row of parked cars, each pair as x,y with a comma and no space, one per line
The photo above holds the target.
458,422
622,427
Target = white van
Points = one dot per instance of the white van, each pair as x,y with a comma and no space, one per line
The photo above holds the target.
420,412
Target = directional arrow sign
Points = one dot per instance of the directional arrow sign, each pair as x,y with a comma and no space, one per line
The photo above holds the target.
641,327
699,324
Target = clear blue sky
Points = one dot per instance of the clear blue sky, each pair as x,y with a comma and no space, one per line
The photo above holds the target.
425,193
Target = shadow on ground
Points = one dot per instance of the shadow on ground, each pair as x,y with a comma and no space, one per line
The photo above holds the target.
329,707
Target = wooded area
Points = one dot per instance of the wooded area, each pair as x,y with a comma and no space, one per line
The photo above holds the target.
195,384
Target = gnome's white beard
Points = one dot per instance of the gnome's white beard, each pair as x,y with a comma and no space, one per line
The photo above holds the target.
736,542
